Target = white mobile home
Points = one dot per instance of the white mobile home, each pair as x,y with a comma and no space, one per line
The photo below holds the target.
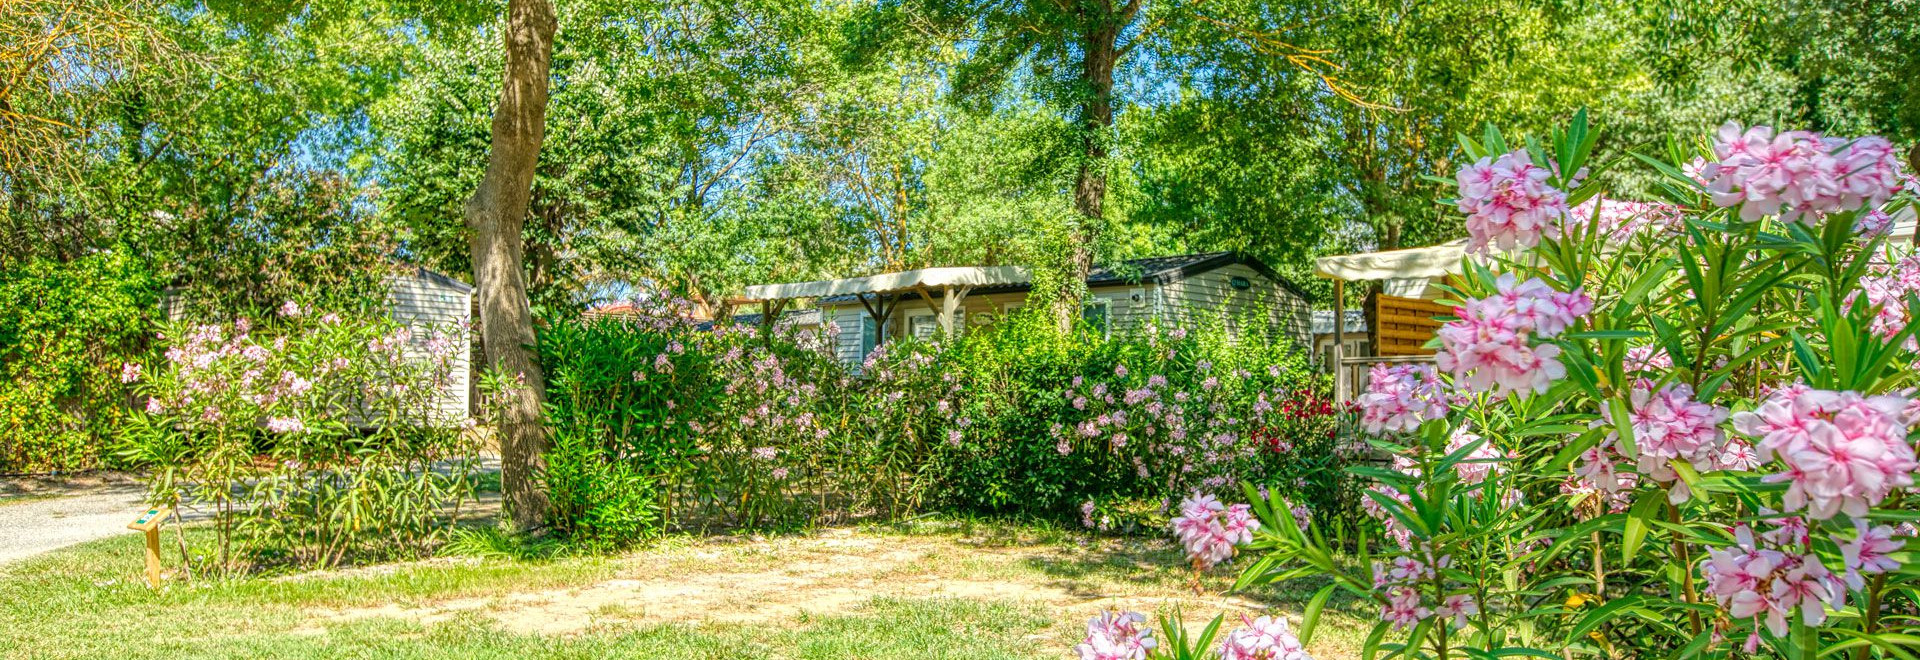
1172,291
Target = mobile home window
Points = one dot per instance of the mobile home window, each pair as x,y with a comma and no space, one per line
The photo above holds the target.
925,326
1096,313
869,336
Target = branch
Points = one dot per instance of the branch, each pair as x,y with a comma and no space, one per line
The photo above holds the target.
1309,60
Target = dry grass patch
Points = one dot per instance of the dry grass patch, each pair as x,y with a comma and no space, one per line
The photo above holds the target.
791,580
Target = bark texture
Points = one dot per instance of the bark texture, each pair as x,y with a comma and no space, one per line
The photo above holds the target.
1100,51
495,216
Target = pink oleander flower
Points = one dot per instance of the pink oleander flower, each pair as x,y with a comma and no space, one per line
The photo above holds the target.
1265,638
155,406
1400,397
1669,425
1490,349
129,372
1647,358
1401,536
1886,287
780,473
1798,175
1403,608
290,309
286,425
1482,462
1621,220
1843,452
1508,202
1874,223
1753,582
1869,552
1460,608
1739,456
1210,530
1117,636
765,453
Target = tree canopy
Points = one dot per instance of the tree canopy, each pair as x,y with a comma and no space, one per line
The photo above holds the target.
259,151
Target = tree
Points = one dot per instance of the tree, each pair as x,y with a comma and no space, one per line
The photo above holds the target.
1073,46
495,215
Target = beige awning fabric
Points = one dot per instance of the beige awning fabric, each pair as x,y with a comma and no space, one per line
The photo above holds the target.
932,278
1421,263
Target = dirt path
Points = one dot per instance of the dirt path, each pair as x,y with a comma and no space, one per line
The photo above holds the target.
39,514
786,580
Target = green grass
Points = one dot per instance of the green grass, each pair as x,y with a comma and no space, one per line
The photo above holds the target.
88,601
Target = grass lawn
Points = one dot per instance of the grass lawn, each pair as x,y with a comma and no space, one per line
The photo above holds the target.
939,589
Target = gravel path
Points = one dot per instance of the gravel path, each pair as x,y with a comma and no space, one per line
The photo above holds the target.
41,514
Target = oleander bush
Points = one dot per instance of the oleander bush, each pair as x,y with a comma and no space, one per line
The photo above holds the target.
659,422
310,439
1112,433
1677,428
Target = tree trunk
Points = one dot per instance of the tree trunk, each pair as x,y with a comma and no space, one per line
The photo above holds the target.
1101,48
495,216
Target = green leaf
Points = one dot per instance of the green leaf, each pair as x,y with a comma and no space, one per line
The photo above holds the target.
1310,619
1638,520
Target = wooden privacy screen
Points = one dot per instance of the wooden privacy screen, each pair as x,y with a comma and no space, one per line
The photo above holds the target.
1401,326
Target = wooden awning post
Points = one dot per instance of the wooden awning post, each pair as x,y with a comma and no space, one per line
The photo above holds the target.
149,523
1339,341
950,305
768,310
879,310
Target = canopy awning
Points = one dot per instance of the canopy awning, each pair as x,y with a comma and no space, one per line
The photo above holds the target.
910,280
1414,263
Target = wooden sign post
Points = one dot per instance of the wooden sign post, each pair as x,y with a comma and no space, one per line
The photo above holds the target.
149,522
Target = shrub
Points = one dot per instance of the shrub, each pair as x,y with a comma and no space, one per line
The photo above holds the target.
313,438
65,328
656,419
661,422
1670,429
1111,432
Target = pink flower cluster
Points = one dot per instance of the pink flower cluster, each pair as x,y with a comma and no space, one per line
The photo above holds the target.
1750,583
1843,452
1798,175
1669,425
1508,202
1399,582
1400,397
1265,638
1484,461
1117,636
1873,224
1489,347
1125,636
1886,287
1620,220
1210,529
1647,358
1869,552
